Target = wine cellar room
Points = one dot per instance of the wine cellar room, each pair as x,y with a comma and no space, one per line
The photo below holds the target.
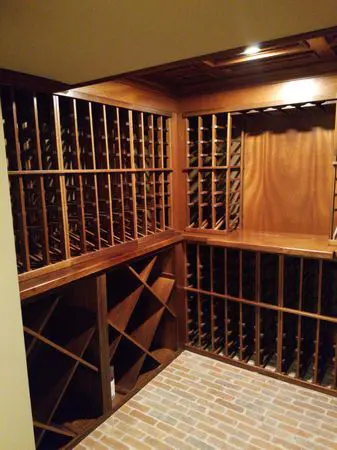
170,245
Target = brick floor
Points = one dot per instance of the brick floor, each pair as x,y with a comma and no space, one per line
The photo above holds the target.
199,403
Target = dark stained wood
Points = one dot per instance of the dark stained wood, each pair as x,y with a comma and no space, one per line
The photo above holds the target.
94,263
284,243
292,57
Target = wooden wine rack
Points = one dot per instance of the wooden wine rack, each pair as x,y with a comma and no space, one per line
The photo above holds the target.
270,312
214,152
64,333
83,175
124,318
142,319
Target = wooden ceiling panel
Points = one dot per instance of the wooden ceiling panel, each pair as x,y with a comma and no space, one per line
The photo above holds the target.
298,56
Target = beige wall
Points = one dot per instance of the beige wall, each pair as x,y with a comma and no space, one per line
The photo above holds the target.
16,432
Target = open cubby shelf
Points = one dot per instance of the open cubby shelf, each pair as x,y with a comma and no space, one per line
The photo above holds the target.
83,176
271,311
142,321
63,347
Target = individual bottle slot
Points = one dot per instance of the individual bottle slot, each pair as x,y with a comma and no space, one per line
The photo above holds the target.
47,132
91,213
247,333
205,140
329,289
268,340
305,351
193,195
218,267
269,278
233,272
219,199
54,218
205,338
248,275
101,140
191,257
204,268
310,285
218,343
234,199
38,247
27,130
192,318
220,141
291,290
327,352
85,137
113,136
232,331
289,344
205,195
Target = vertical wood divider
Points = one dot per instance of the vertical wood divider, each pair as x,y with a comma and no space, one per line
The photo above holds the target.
61,178
133,176
121,179
211,256
102,320
98,222
226,301
242,168
280,300
200,188
318,322
228,171
142,139
153,177
180,184
213,163
187,135
41,184
25,250
198,294
334,180
80,180
160,127
170,175
241,324
107,152
299,327
258,309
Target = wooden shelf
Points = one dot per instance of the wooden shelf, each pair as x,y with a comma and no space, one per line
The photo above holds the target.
284,243
90,264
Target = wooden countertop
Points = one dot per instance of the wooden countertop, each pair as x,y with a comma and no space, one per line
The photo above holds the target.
288,244
50,277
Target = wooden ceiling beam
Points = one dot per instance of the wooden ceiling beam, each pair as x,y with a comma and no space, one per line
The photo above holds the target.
320,46
262,55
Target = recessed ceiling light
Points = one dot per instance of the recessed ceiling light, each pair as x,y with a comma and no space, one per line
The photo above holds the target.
252,50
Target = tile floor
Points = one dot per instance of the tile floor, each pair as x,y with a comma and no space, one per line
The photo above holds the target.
199,403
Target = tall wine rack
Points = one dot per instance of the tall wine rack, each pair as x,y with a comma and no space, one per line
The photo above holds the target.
83,176
214,152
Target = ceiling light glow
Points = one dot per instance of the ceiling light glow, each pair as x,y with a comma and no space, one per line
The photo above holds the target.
252,50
